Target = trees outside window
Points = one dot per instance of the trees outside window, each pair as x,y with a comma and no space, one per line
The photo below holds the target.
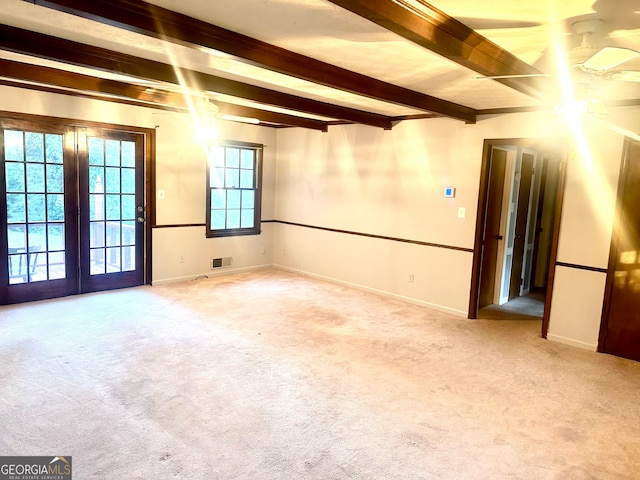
234,189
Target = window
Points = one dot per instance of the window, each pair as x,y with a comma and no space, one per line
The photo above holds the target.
234,189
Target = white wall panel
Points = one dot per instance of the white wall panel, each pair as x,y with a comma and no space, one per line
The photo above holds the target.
386,183
576,308
426,275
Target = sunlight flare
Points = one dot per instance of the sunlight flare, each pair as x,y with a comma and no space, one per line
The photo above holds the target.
602,196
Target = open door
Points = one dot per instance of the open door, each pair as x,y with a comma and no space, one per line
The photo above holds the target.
492,236
522,217
620,326
508,207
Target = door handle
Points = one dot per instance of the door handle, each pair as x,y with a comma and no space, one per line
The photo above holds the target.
140,219
498,237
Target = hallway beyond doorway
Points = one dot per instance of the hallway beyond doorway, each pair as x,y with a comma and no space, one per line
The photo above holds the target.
526,307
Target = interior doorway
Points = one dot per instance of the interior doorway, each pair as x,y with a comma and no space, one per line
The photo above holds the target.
515,229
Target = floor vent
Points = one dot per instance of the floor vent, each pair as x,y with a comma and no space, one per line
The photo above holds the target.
221,262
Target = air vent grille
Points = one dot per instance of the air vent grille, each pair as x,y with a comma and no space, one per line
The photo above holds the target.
221,262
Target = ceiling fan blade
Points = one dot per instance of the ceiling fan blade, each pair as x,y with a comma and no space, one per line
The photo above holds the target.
523,75
495,24
624,75
607,58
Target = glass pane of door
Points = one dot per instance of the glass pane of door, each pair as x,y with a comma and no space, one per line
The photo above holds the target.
71,209
112,201
35,199
112,205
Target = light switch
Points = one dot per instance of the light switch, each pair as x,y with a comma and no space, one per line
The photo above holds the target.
161,194
462,212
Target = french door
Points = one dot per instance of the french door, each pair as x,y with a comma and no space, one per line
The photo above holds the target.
72,210
112,211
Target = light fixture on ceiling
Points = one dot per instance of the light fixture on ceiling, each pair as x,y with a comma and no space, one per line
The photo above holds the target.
207,114
585,101
237,118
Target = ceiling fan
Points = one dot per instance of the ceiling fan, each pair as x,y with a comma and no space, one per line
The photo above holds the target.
587,59
602,62
588,64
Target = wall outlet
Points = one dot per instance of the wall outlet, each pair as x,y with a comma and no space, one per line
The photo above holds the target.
181,259
411,278
263,250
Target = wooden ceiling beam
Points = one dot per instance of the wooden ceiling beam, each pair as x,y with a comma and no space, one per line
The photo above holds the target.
272,117
53,48
147,19
436,31
71,83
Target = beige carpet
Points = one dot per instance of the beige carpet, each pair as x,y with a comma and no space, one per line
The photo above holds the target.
527,307
270,375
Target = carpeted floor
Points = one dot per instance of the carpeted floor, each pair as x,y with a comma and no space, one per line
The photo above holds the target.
527,307
271,375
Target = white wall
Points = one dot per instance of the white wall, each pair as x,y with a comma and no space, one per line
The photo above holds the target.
388,183
576,309
183,252
179,252
375,182
586,228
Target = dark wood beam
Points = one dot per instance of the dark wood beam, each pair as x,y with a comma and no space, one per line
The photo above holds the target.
83,94
272,117
507,110
71,83
58,49
147,19
436,31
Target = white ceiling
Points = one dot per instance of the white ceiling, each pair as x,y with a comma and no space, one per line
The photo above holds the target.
324,31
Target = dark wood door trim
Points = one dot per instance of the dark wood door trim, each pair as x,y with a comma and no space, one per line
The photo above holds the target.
51,124
483,195
613,251
4,242
553,254
543,165
548,145
493,211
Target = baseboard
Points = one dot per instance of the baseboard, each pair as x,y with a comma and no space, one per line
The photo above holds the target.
421,303
572,342
218,272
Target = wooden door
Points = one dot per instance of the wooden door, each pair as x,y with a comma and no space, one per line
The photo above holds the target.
519,241
492,237
112,209
531,229
72,210
38,201
620,329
